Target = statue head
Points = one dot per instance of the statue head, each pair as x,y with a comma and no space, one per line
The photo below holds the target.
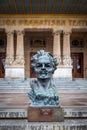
43,64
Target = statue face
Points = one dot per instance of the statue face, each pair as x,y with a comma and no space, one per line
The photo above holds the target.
44,68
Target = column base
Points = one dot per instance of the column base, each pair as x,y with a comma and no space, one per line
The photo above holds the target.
63,72
14,72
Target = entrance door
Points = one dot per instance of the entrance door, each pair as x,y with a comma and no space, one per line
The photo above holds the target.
2,65
77,65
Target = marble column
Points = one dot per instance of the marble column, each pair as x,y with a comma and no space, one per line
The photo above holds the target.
19,70
66,49
10,48
57,46
20,49
57,52
15,67
65,70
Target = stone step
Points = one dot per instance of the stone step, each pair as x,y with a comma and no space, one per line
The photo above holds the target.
61,86
69,112
23,124
21,100
26,89
25,84
56,81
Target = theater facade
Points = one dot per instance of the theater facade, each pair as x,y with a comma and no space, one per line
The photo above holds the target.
21,36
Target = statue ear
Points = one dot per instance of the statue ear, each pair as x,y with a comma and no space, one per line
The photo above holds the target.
53,70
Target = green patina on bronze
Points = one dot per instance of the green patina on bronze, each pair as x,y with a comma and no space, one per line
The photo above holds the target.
43,91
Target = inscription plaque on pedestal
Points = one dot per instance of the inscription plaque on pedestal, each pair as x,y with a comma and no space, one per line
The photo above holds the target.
45,114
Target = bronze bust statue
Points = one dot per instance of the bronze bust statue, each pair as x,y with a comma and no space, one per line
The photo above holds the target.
43,91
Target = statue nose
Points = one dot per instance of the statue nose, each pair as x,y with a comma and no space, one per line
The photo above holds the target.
43,66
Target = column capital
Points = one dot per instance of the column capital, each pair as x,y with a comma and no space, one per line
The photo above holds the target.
67,32
57,32
19,32
8,32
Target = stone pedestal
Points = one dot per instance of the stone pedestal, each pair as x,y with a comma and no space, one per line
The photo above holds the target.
45,114
63,72
14,72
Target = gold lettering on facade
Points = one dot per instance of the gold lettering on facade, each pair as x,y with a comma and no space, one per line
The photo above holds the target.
77,22
42,22
81,23
8,22
20,22
30,22
46,22
2,22
53,22
60,22
26,22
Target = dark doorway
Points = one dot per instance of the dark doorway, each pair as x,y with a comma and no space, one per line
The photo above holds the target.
77,65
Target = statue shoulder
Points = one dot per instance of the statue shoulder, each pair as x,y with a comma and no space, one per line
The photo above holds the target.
33,83
54,88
